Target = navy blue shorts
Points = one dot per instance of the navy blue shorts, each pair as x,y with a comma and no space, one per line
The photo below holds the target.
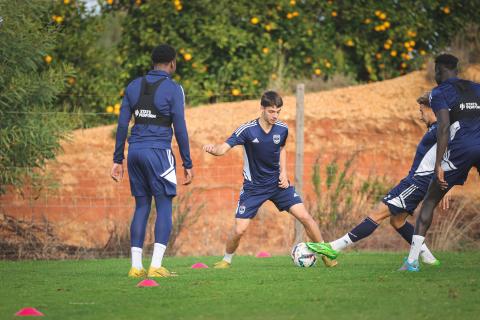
152,172
463,152
252,198
405,197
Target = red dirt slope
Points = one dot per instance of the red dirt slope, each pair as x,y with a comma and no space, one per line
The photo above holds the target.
380,120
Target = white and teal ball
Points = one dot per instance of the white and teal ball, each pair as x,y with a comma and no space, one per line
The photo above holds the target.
302,256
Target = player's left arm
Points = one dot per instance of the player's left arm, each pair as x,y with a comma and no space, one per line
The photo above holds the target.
439,104
283,178
443,135
181,135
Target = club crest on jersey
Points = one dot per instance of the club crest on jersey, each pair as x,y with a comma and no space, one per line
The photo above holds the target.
241,210
276,138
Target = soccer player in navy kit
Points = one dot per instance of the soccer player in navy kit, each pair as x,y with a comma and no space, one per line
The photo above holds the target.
156,102
456,104
404,198
265,176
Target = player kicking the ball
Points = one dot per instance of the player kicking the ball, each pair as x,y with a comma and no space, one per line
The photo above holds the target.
402,200
265,177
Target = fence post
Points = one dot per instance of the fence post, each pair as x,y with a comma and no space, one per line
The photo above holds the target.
299,126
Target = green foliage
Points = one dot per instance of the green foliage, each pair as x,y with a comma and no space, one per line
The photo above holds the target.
88,43
235,49
30,130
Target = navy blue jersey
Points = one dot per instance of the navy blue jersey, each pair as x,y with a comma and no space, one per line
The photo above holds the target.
447,96
169,101
462,99
261,151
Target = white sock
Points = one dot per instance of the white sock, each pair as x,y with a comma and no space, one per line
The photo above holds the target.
137,258
417,242
228,257
426,255
341,243
157,257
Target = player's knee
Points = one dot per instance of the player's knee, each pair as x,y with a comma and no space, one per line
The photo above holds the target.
425,218
305,218
397,222
240,230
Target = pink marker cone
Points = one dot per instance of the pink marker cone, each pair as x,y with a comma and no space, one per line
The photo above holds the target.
147,283
263,254
199,265
26,312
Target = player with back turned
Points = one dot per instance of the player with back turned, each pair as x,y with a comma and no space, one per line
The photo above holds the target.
157,103
456,103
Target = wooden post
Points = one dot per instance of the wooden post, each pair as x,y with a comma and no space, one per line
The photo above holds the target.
299,126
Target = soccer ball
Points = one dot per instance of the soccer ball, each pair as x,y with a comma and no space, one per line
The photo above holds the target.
302,256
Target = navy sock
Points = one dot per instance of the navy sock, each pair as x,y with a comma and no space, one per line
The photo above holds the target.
406,231
139,221
163,224
363,230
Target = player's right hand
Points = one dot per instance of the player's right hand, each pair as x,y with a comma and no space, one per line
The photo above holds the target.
446,202
117,172
210,148
283,181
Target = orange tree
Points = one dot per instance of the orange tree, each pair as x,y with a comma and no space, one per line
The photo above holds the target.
88,44
234,49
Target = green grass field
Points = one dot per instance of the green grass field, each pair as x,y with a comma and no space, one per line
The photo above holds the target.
364,286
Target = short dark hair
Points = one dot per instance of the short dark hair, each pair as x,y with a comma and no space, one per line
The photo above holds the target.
271,99
447,60
163,54
424,99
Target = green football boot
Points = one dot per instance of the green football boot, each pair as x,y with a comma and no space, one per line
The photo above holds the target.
323,248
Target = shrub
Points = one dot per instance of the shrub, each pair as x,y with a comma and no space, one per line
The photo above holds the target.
30,82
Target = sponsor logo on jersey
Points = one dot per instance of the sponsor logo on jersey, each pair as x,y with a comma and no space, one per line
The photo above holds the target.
141,113
295,195
276,138
241,210
255,141
469,106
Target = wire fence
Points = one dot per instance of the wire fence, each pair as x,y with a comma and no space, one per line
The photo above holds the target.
76,205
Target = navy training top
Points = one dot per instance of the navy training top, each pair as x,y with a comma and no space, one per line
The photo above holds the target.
170,101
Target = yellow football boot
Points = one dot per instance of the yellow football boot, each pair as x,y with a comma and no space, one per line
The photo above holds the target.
329,263
161,272
222,265
137,273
